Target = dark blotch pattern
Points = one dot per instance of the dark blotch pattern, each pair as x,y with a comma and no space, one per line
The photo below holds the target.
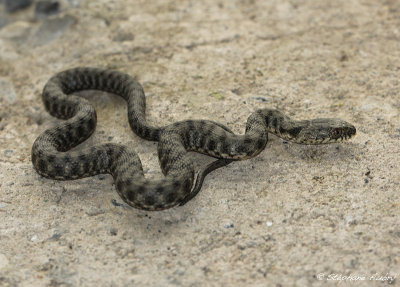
52,156
294,131
149,200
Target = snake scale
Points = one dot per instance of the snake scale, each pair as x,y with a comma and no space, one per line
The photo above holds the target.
52,158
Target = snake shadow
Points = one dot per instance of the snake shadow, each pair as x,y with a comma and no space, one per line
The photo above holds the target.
279,158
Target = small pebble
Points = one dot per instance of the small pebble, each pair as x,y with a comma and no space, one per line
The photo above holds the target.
113,231
56,235
251,244
179,271
122,36
262,99
241,246
228,225
116,203
237,91
93,211
350,220
8,152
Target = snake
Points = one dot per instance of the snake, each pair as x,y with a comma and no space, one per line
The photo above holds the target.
53,158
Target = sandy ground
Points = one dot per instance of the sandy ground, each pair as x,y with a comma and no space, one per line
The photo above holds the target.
292,216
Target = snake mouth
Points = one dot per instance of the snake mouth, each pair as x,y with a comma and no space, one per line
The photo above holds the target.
336,139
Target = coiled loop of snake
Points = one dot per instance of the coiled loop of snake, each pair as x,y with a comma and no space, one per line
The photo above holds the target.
52,158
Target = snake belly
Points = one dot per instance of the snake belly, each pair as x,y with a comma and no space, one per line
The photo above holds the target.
52,157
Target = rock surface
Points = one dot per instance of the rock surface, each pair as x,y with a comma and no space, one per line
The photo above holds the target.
292,216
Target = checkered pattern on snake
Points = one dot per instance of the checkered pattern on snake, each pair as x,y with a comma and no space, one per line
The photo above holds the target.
52,158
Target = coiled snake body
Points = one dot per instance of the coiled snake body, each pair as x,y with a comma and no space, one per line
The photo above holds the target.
51,156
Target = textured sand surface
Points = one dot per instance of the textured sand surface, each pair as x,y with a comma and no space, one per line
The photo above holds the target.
292,216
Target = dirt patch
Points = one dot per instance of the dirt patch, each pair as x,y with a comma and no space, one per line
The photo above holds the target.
292,216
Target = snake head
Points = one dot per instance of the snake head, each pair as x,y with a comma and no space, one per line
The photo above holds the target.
322,131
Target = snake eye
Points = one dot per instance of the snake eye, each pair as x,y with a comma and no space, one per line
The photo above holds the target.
335,134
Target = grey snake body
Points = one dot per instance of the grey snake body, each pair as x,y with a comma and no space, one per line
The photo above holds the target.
52,158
